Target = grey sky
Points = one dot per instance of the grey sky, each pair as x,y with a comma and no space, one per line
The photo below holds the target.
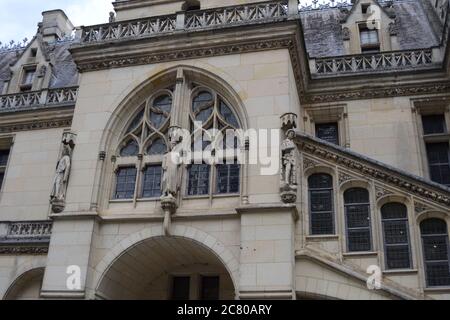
19,18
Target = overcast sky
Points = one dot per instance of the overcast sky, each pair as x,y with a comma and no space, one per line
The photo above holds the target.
19,18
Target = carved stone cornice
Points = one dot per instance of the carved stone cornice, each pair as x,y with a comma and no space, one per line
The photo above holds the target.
23,250
183,54
36,125
36,120
382,92
373,169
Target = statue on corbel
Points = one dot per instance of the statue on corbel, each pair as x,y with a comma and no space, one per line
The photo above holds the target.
172,176
289,160
63,168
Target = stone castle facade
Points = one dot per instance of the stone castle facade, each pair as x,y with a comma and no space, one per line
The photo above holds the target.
92,207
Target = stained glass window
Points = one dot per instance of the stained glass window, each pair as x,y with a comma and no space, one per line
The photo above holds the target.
130,149
157,147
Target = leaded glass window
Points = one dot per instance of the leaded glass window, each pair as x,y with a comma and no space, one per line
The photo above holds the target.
394,217
328,132
439,162
143,145
152,182
436,252
145,140
228,176
357,216
321,204
198,179
125,183
211,117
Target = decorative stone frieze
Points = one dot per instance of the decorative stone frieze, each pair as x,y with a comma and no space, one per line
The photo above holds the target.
25,238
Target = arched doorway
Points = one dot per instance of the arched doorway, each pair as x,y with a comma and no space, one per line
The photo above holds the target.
27,286
161,268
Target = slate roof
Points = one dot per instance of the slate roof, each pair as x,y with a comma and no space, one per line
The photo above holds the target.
323,30
64,70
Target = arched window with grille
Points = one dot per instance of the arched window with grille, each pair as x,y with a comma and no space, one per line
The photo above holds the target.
321,204
357,219
397,252
436,252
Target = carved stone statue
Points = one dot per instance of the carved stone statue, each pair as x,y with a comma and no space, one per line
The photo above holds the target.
288,183
58,193
171,180
171,166
61,179
112,17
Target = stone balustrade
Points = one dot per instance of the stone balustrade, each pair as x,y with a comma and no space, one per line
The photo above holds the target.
25,232
38,99
374,63
190,21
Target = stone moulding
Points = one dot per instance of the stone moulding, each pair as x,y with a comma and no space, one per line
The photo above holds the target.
23,238
373,169
184,54
36,125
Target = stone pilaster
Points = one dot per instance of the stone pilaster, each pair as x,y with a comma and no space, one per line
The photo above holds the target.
267,256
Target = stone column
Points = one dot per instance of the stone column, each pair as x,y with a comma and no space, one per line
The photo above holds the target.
68,257
267,257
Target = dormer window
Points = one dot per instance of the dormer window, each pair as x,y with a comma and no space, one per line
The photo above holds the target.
27,79
369,38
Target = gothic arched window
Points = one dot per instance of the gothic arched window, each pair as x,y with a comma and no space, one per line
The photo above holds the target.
207,116
357,218
211,119
436,252
394,217
143,145
321,204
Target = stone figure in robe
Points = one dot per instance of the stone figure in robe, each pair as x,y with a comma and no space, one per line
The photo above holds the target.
171,166
288,161
62,176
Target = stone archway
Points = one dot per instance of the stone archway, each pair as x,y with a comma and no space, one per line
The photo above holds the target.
27,286
145,265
